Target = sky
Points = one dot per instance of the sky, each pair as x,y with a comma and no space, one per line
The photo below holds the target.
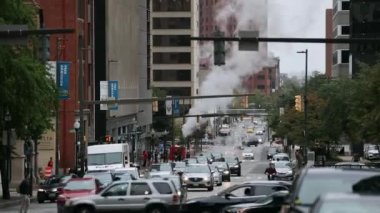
298,18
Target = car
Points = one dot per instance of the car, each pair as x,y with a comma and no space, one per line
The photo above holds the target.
346,202
281,157
224,169
151,196
129,170
218,157
198,176
181,190
161,169
271,152
105,178
284,170
269,204
235,165
77,187
248,154
247,192
217,174
48,190
315,182
203,159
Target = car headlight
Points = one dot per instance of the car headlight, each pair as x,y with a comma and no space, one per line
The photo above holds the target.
41,190
54,189
185,178
226,172
207,178
236,166
289,172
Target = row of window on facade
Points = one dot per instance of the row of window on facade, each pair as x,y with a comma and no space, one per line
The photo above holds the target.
171,5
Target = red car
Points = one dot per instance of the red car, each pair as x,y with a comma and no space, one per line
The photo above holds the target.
77,187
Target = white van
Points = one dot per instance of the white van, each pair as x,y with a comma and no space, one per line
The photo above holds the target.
108,157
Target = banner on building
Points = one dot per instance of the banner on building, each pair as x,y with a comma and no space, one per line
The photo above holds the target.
113,93
103,94
63,79
176,107
169,106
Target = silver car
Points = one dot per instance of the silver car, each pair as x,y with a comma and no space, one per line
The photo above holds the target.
284,170
217,174
150,196
158,170
198,176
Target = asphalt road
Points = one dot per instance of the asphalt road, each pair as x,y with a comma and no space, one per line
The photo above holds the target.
251,170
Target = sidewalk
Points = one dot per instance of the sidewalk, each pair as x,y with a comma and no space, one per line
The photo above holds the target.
15,198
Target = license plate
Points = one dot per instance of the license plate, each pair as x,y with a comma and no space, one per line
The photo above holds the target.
195,184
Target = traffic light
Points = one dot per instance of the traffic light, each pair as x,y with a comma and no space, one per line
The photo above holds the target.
44,48
219,52
155,106
108,138
298,103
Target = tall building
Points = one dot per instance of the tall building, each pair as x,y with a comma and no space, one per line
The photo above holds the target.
67,47
341,65
121,56
329,46
174,59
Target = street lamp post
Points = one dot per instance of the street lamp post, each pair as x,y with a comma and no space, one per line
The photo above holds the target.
8,160
165,152
77,143
305,100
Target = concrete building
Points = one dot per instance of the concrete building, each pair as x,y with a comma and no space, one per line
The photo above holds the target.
121,55
341,64
174,59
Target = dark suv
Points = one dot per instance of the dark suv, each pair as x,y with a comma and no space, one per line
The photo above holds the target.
315,182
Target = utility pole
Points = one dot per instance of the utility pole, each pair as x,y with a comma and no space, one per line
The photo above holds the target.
305,102
81,106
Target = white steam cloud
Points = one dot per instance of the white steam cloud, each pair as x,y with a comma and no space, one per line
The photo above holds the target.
249,15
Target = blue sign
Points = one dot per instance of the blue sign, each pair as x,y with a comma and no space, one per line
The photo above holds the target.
113,92
63,79
176,107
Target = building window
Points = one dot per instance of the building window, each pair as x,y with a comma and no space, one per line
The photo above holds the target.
172,75
345,5
345,30
345,56
171,58
171,40
261,77
171,5
80,8
171,23
261,87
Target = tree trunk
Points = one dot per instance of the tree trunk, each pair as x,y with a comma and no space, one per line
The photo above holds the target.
4,180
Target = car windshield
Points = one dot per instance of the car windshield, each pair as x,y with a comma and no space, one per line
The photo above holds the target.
105,158
160,167
281,157
104,178
197,169
220,165
315,185
350,206
281,164
180,164
76,185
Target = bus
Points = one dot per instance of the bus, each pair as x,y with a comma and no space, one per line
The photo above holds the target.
108,157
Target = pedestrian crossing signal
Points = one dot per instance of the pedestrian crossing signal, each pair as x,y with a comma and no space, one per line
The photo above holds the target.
298,103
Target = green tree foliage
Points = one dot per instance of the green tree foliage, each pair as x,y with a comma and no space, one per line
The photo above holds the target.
26,89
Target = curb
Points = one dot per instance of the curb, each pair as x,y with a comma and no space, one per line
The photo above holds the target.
14,202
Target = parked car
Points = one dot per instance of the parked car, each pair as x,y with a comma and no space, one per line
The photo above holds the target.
235,165
248,192
181,190
151,196
315,182
77,187
248,154
346,202
224,169
198,176
371,152
48,190
269,204
281,157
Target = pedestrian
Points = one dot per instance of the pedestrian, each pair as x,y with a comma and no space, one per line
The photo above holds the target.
156,156
50,163
24,190
149,157
145,157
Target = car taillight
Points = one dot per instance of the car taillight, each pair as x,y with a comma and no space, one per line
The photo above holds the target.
175,198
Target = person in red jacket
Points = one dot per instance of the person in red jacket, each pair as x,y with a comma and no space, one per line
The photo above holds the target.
50,163
145,157
270,171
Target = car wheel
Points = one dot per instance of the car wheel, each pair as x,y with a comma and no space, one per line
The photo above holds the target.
84,209
40,199
156,209
239,173
219,184
210,188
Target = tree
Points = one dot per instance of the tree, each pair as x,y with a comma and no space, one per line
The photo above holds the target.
27,92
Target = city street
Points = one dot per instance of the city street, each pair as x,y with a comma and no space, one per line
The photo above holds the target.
251,170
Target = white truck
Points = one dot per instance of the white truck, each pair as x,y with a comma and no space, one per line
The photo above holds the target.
108,157
225,130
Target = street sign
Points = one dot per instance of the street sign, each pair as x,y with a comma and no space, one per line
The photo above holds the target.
168,106
248,45
63,79
176,106
103,94
113,92
13,40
